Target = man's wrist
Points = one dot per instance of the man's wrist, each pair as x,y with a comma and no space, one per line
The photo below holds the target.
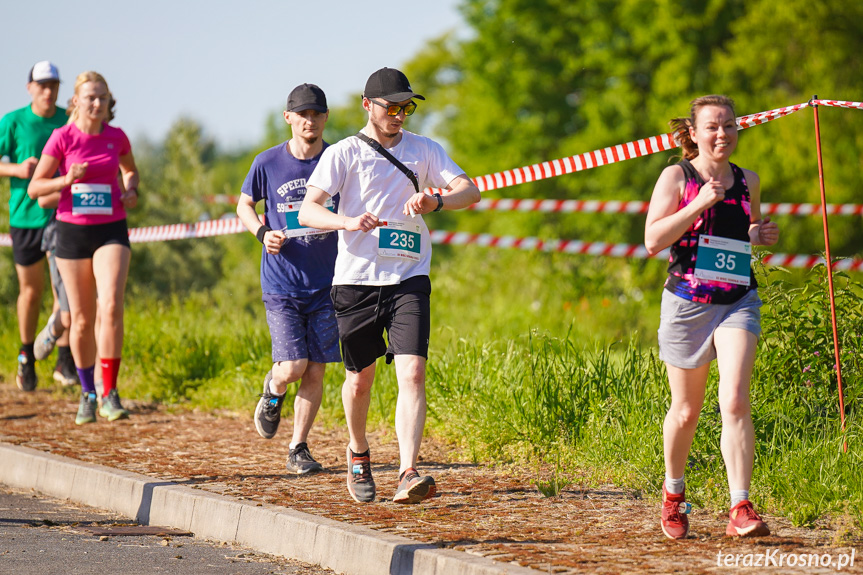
262,231
439,199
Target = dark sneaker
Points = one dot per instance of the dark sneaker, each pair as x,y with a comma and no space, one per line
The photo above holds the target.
45,341
26,377
413,488
111,408
65,372
86,409
300,461
745,522
361,486
268,413
675,511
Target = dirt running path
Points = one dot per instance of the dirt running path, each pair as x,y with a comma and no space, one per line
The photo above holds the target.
491,511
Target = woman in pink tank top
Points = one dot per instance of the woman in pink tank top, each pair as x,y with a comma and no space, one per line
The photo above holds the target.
98,181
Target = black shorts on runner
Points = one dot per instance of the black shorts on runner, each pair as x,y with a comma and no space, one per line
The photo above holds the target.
26,245
364,312
76,242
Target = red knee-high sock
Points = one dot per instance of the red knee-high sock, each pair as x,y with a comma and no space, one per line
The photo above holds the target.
110,369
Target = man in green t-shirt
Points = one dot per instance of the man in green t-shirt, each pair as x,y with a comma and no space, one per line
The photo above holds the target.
23,134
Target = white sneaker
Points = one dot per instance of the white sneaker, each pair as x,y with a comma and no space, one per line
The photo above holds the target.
45,341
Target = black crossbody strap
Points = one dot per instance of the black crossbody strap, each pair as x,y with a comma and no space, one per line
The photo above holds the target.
383,152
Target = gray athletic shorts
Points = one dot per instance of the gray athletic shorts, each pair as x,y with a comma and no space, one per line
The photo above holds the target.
686,328
49,239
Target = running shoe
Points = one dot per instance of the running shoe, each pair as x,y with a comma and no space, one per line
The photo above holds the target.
413,488
675,511
268,413
301,462
111,409
361,486
86,409
745,522
26,377
45,341
64,371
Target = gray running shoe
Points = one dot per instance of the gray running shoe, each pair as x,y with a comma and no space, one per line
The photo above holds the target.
45,341
111,408
26,376
268,413
86,409
361,486
413,488
301,462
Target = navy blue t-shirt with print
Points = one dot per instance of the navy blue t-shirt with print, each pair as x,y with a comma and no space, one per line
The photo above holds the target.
305,263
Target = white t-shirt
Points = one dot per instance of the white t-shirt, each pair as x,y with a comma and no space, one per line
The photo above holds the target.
368,182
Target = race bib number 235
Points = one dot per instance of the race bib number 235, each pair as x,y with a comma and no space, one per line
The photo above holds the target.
400,240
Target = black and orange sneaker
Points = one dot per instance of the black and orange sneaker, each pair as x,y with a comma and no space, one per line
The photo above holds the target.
361,486
745,522
26,376
413,488
268,412
675,511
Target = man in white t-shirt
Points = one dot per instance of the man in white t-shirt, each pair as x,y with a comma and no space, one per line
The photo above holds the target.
381,278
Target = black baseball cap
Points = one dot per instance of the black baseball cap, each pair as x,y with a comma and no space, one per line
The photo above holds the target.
307,97
391,85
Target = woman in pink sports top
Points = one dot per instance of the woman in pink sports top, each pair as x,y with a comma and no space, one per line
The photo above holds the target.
98,182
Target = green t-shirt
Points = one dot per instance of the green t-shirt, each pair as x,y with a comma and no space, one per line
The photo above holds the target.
23,135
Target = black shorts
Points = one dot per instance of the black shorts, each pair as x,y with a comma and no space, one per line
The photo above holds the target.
76,242
26,245
364,312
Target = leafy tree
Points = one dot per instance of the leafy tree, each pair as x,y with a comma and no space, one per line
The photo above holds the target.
543,79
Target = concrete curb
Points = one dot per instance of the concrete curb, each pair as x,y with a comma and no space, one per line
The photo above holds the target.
349,549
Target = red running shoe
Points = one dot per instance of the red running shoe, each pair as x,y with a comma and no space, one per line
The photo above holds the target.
675,523
745,522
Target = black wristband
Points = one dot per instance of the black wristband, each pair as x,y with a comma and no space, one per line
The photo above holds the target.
261,231
439,202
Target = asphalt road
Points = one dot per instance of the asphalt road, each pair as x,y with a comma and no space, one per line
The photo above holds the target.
44,536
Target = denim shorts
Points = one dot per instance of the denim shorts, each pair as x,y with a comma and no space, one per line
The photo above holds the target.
303,327
686,327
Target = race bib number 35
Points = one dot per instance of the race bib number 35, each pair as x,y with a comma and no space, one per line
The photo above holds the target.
723,259
92,199
400,240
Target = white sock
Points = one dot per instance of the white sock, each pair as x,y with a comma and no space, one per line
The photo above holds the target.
674,486
273,390
738,495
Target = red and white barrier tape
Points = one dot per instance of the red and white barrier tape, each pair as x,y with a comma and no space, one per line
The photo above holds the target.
605,156
544,170
614,250
233,225
640,207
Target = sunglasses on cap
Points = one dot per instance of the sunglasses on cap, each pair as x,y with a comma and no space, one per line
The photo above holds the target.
394,109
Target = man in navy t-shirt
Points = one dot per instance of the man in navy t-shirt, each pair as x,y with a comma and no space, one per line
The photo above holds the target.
296,274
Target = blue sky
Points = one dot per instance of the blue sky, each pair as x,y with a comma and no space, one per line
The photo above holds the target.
228,65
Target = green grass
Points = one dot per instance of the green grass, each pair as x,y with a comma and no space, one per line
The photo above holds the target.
550,361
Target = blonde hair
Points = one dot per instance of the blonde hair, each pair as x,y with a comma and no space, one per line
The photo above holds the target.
680,126
82,79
